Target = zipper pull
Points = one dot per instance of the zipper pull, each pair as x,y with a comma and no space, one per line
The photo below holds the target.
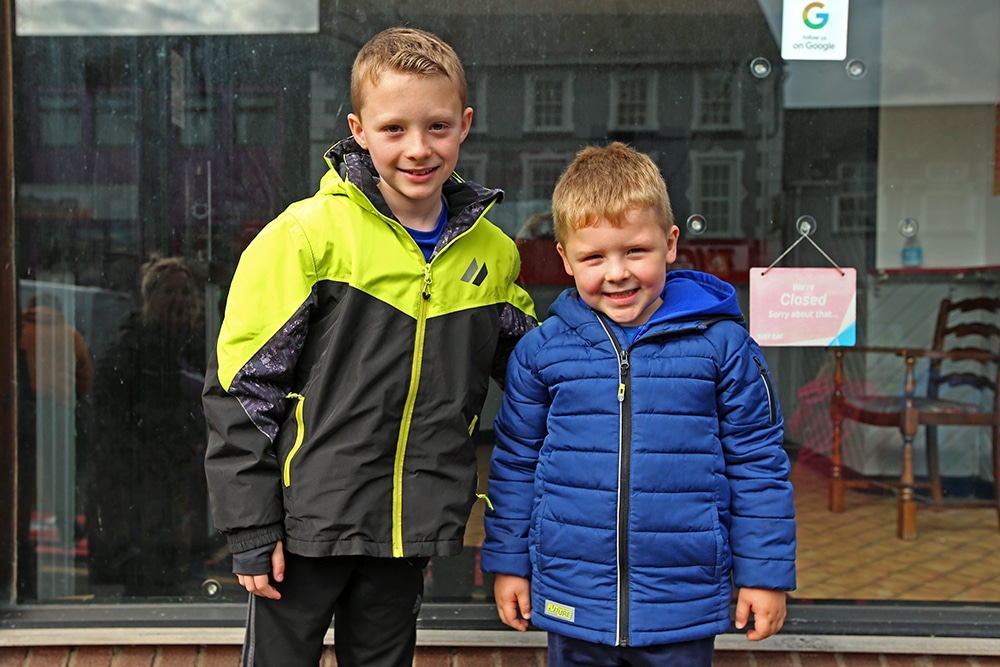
427,281
622,373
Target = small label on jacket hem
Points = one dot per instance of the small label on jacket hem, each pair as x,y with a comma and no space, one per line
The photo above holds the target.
562,611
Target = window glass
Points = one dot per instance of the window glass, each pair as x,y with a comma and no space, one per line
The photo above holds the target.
60,119
115,122
256,119
145,164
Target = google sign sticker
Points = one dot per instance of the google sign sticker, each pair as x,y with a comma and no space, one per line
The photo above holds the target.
814,30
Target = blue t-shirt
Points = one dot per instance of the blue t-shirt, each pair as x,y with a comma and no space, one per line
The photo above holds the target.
428,240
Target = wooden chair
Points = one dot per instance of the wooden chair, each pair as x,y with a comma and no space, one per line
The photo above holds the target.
965,353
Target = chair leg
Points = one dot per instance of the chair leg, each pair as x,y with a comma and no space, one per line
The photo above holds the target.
933,463
906,515
836,460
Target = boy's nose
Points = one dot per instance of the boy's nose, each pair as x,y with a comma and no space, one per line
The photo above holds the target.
418,146
616,271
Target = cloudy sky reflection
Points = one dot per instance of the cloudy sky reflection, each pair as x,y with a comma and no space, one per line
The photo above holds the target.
165,17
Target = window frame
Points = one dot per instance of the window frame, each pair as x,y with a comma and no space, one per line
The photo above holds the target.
531,82
651,120
821,626
734,160
703,86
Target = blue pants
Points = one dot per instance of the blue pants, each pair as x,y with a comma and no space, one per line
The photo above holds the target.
567,652
373,603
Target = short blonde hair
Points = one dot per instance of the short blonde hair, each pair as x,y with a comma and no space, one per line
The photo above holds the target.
155,271
408,51
602,185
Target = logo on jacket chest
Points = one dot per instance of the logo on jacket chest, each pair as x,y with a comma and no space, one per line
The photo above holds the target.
476,273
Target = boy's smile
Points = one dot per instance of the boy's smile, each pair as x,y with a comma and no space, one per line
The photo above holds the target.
413,126
620,271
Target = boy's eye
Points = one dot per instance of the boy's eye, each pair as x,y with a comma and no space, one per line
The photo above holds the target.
393,129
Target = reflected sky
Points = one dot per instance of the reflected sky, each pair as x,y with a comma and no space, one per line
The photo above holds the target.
165,17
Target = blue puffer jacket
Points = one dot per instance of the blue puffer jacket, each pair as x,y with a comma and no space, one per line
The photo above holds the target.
635,483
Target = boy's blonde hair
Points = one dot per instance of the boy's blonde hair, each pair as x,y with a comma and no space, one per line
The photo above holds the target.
602,185
408,51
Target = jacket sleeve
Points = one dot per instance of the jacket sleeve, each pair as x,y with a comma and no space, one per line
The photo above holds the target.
249,377
516,319
762,533
520,430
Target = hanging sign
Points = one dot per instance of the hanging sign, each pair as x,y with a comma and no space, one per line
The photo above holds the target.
812,307
813,30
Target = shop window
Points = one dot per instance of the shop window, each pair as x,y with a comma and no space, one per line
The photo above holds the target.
115,120
201,122
748,154
633,101
256,118
478,99
472,167
715,190
549,102
60,120
717,100
540,175
855,204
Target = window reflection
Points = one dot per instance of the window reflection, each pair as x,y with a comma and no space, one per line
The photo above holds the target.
115,122
158,147
146,496
60,120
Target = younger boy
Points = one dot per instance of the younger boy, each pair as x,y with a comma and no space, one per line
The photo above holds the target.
360,333
638,470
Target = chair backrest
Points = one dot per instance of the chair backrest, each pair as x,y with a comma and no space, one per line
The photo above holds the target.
962,326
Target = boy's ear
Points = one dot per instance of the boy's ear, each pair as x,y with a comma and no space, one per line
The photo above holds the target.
562,253
354,122
672,237
466,122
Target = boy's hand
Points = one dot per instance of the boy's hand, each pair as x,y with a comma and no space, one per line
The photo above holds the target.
260,584
513,594
768,609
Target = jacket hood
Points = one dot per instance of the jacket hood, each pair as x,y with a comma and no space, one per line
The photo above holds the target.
690,298
693,295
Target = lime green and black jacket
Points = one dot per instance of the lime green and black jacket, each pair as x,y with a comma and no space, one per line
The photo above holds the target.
350,372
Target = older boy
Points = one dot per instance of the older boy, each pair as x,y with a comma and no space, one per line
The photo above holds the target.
354,358
638,470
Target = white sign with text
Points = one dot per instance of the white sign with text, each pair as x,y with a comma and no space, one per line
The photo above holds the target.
814,307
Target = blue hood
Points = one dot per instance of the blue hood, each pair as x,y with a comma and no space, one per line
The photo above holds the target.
690,298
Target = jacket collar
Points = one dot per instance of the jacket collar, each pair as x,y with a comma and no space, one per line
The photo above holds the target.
351,165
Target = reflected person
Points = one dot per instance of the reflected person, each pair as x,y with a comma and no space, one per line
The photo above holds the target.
147,518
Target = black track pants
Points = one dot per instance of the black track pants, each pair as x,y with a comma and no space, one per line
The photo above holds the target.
373,603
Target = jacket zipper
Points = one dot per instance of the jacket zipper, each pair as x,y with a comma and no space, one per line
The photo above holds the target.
411,396
772,409
404,431
624,482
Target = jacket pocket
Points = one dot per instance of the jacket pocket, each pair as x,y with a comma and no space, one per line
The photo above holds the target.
300,430
535,539
772,407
